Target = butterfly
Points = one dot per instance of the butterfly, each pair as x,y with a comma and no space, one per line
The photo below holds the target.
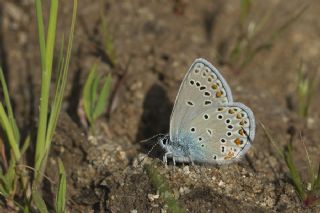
206,126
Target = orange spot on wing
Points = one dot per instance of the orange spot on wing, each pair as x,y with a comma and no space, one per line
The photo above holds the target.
238,141
218,94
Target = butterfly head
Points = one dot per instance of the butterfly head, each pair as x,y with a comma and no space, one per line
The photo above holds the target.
164,141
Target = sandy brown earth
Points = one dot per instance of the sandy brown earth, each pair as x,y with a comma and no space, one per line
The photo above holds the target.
155,43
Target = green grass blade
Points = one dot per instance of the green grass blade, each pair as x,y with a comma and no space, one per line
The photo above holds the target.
41,32
25,145
316,184
57,101
51,35
10,176
4,186
45,84
94,93
87,93
63,69
295,176
62,188
103,98
311,171
5,123
271,140
9,107
39,202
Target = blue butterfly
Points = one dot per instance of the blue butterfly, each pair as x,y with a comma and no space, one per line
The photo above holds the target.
206,126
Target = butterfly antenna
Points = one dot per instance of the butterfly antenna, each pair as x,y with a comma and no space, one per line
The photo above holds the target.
148,153
148,139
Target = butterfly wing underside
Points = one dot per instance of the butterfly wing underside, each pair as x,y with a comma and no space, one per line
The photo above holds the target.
202,88
194,120
221,134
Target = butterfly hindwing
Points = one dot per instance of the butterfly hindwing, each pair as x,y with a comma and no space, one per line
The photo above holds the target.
221,134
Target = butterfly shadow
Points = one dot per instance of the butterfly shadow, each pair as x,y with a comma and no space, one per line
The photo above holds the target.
154,120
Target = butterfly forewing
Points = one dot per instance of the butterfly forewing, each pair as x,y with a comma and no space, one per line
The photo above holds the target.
202,88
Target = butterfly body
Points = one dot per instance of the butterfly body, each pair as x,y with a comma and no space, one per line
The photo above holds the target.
206,126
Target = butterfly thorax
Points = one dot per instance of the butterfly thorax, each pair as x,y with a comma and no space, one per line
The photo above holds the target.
177,150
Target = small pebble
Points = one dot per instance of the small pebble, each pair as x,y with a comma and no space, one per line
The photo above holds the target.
186,170
153,197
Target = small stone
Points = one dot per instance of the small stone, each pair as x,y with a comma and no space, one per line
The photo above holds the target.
184,190
133,211
121,155
153,197
186,170
269,202
221,183
309,186
163,211
310,122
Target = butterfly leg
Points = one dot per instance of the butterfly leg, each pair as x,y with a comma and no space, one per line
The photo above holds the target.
174,161
192,162
165,159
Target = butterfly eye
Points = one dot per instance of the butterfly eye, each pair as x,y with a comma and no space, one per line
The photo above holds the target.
164,141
